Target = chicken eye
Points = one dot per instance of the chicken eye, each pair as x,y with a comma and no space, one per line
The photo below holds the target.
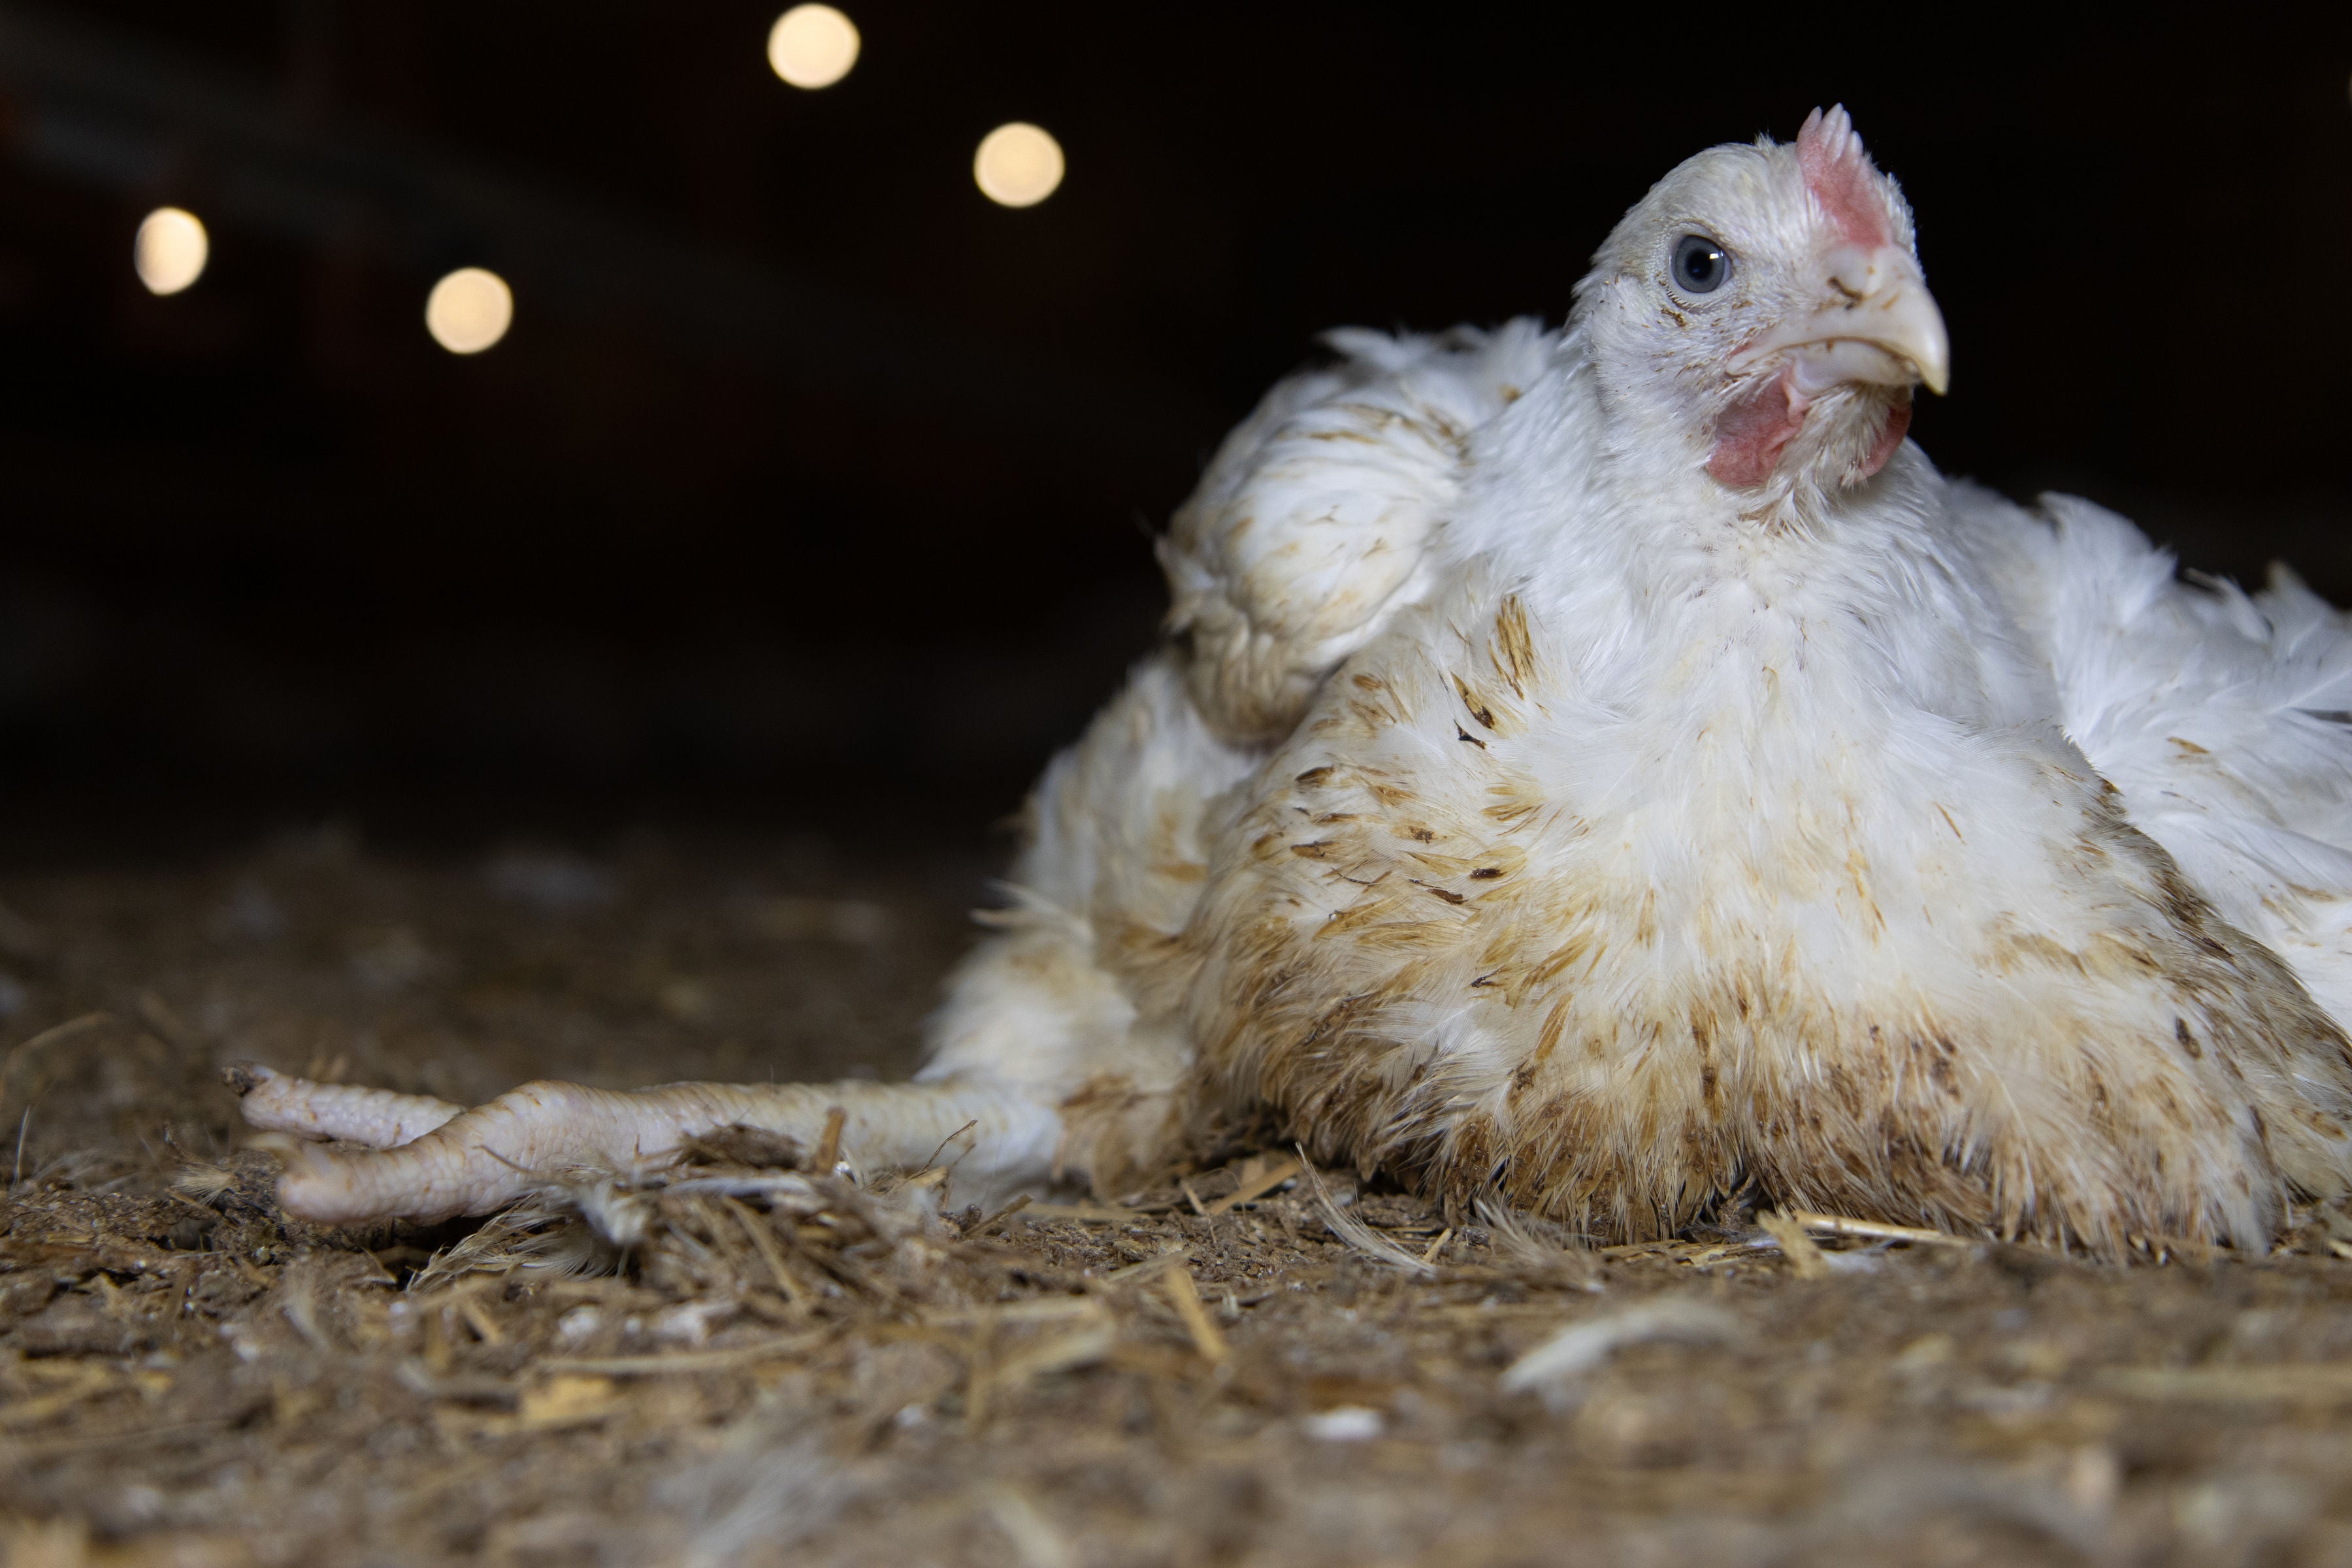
1701,265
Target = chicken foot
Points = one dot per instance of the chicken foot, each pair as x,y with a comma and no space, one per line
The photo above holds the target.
430,1160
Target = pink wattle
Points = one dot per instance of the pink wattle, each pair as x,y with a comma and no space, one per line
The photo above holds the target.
1751,432
1899,420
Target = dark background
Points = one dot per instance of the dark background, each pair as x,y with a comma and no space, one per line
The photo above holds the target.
811,488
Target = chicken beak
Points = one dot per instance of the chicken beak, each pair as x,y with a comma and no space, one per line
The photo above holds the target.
1882,327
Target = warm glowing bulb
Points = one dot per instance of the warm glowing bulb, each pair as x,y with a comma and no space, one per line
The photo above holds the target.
170,251
469,310
812,46
1017,166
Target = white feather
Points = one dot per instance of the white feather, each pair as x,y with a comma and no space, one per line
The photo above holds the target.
2221,717
1312,526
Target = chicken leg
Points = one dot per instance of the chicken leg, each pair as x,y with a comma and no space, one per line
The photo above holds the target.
428,1159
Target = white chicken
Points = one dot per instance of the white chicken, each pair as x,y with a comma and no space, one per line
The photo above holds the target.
1599,768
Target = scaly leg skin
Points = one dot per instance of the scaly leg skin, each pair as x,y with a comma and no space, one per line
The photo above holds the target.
277,1102
473,1162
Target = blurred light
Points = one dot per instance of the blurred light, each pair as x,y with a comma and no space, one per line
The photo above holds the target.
812,46
170,251
469,310
1017,166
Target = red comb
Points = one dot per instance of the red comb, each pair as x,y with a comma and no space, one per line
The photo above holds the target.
1842,177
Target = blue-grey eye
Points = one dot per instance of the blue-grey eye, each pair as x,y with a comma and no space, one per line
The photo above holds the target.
1701,265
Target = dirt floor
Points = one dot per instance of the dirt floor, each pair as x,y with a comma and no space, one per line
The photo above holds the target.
782,1365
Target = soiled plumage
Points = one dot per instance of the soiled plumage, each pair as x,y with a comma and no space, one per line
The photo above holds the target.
1607,766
